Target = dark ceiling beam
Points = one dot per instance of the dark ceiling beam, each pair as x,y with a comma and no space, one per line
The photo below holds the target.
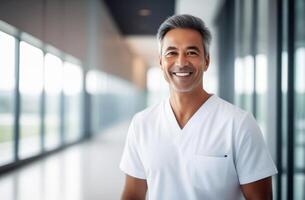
140,17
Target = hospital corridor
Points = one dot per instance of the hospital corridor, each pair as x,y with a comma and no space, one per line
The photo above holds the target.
76,74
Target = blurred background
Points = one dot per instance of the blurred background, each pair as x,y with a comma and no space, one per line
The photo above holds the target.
74,72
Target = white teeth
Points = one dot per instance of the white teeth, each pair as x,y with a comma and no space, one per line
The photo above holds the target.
182,73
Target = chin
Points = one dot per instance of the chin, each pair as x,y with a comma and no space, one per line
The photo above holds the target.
186,89
182,90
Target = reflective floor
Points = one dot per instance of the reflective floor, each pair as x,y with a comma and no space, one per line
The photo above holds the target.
88,171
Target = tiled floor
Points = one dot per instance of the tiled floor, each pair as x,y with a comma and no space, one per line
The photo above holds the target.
88,171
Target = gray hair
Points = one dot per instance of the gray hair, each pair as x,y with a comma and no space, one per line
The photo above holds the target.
185,21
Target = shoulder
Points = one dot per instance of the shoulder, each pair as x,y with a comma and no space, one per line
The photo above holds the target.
239,121
145,122
244,123
229,111
148,114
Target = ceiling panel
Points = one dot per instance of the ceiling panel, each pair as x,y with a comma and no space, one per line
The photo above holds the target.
140,17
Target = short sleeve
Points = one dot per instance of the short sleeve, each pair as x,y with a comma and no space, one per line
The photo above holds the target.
253,160
131,163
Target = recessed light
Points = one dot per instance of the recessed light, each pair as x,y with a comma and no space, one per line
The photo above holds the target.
144,12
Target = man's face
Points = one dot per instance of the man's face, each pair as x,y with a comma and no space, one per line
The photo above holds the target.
183,60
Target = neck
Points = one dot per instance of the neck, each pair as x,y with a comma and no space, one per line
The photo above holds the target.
185,104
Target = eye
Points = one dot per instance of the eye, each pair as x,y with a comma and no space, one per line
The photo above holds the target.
171,53
192,53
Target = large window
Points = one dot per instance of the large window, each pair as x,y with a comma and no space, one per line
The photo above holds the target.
300,123
282,159
112,99
53,73
283,126
243,72
250,68
7,86
244,61
269,51
156,85
72,87
42,100
31,82
95,85
261,65
299,109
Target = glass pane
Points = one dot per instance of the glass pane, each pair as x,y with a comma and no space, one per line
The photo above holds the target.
284,122
244,62
156,85
72,82
248,65
31,73
299,123
95,85
299,84
238,81
261,66
284,87
261,91
247,27
243,72
53,73
7,86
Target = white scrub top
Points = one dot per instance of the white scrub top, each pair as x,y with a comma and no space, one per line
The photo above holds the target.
220,148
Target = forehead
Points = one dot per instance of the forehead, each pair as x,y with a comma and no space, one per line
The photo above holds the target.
181,37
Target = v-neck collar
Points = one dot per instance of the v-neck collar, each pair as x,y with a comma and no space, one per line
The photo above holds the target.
173,121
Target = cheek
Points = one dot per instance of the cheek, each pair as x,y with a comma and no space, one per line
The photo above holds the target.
164,69
200,66
165,65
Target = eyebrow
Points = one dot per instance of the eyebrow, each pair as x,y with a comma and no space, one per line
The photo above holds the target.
170,48
193,48
188,48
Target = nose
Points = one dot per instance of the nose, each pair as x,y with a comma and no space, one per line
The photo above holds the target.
182,60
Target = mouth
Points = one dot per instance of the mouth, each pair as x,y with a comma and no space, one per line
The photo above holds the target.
182,74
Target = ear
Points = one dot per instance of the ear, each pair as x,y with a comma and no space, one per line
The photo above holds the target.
160,62
206,62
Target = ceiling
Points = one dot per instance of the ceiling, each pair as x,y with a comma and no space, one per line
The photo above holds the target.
138,20
140,17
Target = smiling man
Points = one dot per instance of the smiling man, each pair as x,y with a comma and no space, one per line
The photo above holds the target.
193,145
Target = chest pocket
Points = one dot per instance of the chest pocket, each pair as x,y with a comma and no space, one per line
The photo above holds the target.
209,174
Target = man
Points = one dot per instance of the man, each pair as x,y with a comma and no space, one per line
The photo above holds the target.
193,145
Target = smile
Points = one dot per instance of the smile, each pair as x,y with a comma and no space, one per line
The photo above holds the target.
182,74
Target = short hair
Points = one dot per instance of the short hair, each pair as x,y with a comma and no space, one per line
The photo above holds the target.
188,22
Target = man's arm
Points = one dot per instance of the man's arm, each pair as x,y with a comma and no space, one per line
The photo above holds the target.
258,190
135,188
